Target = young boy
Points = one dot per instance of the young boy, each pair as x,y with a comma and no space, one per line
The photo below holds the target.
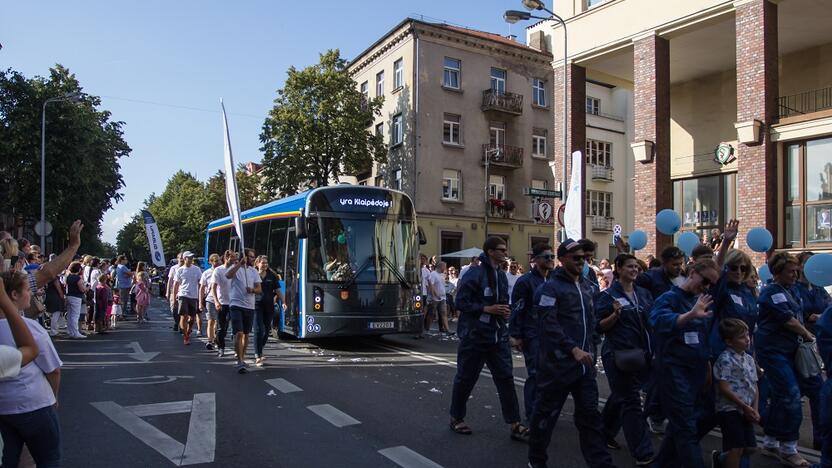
736,401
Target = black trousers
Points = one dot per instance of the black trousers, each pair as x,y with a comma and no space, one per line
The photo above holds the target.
223,314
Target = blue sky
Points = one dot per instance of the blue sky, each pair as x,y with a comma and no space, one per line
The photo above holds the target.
185,55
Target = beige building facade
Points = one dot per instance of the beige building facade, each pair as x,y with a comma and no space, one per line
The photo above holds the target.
728,114
454,98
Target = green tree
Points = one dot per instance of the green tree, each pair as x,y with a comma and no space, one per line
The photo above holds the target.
249,187
318,128
83,152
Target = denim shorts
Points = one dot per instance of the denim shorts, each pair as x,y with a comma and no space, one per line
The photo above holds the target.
211,310
242,320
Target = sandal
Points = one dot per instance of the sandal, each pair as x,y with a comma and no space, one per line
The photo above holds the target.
794,460
520,433
459,426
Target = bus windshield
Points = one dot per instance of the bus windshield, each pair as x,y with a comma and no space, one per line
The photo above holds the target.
371,250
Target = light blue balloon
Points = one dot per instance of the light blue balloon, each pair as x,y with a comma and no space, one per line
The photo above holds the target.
638,240
818,270
668,222
687,242
764,274
759,239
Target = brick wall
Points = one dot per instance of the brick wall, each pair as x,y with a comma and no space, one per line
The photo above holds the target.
576,126
757,92
651,103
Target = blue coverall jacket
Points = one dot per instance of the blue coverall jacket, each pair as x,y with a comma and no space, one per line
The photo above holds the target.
731,301
778,305
481,286
656,281
815,299
631,330
523,323
685,345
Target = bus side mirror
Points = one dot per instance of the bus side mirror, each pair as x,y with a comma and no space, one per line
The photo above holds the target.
422,238
300,226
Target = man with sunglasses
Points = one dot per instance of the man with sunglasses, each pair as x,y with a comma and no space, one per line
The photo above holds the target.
567,366
523,323
244,282
482,299
680,321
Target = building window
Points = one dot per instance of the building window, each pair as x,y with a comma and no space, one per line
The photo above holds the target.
497,134
539,142
497,187
705,203
808,193
380,131
592,3
593,105
598,203
498,80
397,179
398,74
451,129
365,90
398,136
450,184
379,181
539,92
450,78
450,241
599,153
380,83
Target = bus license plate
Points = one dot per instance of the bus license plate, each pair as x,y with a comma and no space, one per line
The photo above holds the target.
380,325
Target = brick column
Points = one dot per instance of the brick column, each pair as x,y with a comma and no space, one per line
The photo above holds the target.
576,128
757,92
651,102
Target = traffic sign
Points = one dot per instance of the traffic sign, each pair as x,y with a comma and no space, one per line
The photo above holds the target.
40,231
545,211
543,193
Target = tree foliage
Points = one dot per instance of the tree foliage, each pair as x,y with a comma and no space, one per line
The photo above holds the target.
318,128
83,152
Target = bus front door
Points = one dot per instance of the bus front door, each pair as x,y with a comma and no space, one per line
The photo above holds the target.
292,276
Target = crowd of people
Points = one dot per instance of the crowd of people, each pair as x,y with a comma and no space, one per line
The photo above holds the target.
687,345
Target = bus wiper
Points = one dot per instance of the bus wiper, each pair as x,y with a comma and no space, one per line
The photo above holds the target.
405,283
346,284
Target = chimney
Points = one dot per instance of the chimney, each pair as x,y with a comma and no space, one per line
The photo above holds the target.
512,37
537,40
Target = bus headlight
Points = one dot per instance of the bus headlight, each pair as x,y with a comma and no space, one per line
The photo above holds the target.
317,299
418,302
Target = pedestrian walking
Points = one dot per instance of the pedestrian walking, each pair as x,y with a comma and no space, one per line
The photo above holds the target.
141,289
823,328
103,299
523,324
245,282
680,322
566,365
55,305
207,301
220,286
186,291
75,291
482,299
174,303
622,312
733,298
264,307
437,299
124,281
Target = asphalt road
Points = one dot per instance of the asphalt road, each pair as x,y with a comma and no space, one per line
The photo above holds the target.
137,397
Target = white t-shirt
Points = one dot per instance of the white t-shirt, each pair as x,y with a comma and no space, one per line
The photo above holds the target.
437,283
10,360
188,279
246,277
172,275
512,279
223,284
425,279
206,281
30,390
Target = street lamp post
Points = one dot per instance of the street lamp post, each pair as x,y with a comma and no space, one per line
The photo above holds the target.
72,97
513,16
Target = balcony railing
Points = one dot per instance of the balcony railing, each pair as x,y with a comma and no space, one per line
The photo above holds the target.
503,155
500,208
602,173
602,224
804,103
606,116
510,103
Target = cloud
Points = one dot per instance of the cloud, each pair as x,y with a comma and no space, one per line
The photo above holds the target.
122,219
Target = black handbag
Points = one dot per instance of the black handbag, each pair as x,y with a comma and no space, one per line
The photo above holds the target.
630,360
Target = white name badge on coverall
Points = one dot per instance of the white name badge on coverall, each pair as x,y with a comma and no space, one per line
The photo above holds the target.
691,338
487,292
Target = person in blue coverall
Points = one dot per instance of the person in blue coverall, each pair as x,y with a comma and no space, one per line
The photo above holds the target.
565,363
658,281
621,313
482,300
778,335
733,298
523,323
681,321
823,328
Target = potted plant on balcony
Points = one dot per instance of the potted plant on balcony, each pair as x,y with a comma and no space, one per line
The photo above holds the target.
508,207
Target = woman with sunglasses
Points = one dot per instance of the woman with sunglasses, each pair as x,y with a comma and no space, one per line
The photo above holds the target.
621,311
777,339
733,298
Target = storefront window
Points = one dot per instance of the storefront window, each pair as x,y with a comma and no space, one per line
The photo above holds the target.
705,203
808,193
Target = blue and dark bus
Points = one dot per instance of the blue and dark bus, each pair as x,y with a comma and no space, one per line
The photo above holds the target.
348,258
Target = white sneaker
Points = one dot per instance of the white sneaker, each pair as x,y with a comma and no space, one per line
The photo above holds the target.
79,337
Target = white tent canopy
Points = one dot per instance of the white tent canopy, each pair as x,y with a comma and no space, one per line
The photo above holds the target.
467,253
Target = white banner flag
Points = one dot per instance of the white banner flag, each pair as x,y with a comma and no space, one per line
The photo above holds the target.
232,197
154,240
572,219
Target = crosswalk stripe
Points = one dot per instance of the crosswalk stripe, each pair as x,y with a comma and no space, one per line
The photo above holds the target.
284,386
407,458
333,415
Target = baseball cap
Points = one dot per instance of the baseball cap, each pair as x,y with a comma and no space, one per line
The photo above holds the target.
187,253
567,246
10,360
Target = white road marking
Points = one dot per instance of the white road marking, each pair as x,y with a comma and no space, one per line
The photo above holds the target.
149,380
201,441
333,415
137,354
407,458
284,386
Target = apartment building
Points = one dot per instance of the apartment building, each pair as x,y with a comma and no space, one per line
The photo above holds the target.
454,99
730,110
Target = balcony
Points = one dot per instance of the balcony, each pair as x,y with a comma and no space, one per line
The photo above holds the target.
509,103
605,115
503,155
804,103
602,173
500,208
602,224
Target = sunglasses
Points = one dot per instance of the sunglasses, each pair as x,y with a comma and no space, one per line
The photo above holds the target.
547,257
742,268
501,250
576,258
